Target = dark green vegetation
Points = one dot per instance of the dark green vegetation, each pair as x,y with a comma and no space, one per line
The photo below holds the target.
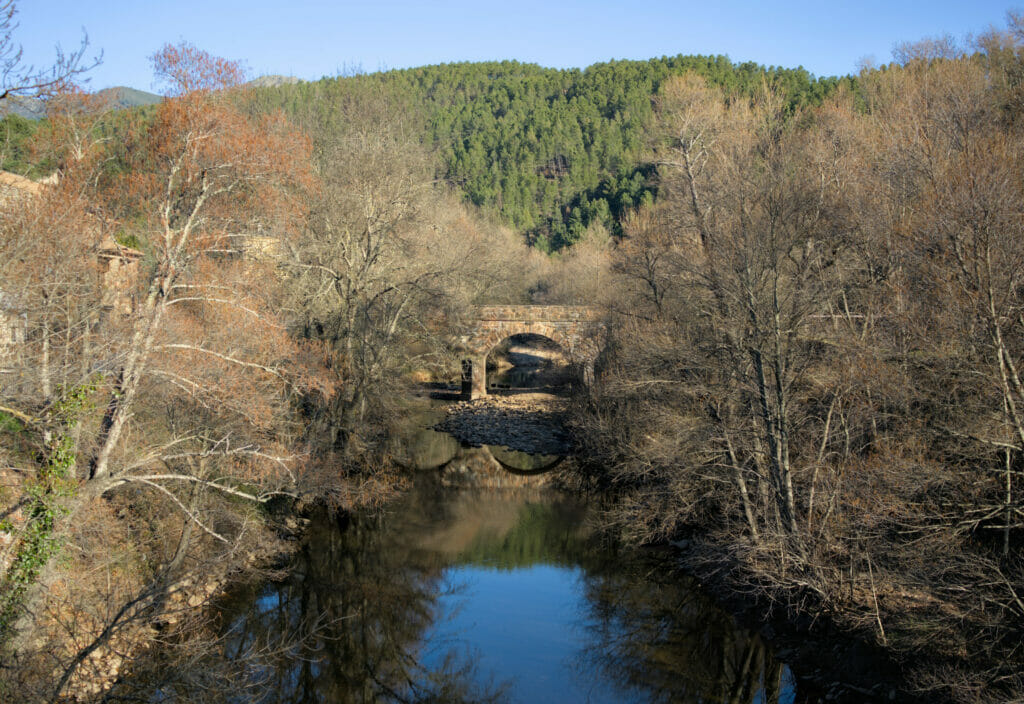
15,132
47,500
550,150
539,536
33,147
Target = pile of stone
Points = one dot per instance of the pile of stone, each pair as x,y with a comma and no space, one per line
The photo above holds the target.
535,424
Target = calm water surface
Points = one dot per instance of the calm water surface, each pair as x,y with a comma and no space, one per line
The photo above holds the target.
477,585
492,595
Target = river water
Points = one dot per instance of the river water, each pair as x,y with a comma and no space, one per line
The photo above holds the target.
481,584
493,594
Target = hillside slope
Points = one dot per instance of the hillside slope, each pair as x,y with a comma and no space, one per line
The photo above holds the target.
549,150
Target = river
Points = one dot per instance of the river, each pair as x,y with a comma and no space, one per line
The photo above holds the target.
482,584
503,594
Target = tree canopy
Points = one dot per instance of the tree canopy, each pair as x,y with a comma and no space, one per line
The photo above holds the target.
549,150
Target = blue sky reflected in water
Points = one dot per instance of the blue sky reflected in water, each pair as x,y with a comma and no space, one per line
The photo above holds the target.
457,595
530,628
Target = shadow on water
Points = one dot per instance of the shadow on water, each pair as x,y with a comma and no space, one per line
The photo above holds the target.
486,595
527,379
527,363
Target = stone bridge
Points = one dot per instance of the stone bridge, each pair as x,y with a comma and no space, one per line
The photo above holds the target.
578,330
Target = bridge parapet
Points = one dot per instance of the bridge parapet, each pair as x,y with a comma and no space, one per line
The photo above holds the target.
537,314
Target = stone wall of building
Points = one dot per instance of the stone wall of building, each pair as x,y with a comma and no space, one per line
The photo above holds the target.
119,269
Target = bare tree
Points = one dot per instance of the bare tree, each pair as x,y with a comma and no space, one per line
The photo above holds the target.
21,80
765,242
386,260
197,380
818,353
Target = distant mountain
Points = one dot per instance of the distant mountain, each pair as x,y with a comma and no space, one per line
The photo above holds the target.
24,107
273,81
119,97
125,97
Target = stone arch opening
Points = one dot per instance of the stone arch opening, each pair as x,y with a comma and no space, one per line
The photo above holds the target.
526,361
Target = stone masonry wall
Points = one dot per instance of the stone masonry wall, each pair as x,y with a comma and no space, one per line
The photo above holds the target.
574,328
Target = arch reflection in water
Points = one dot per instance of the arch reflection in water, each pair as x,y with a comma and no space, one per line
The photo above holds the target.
488,595
418,446
524,463
431,449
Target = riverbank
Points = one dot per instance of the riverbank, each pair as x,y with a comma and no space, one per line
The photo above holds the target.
847,668
124,594
828,667
843,666
860,633
495,591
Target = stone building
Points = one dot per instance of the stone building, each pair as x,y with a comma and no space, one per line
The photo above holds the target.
119,271
12,335
14,188
259,248
118,268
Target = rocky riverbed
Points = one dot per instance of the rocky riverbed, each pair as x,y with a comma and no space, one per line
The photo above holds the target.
533,423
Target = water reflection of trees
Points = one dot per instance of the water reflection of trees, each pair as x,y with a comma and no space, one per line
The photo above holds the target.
354,619
544,533
657,635
650,629
358,603
345,625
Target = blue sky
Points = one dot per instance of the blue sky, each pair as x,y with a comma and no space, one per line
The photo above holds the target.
313,38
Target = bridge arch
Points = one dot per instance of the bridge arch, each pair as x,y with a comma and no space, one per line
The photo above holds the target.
578,330
485,341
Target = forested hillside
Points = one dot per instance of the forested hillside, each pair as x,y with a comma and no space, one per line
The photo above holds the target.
550,150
